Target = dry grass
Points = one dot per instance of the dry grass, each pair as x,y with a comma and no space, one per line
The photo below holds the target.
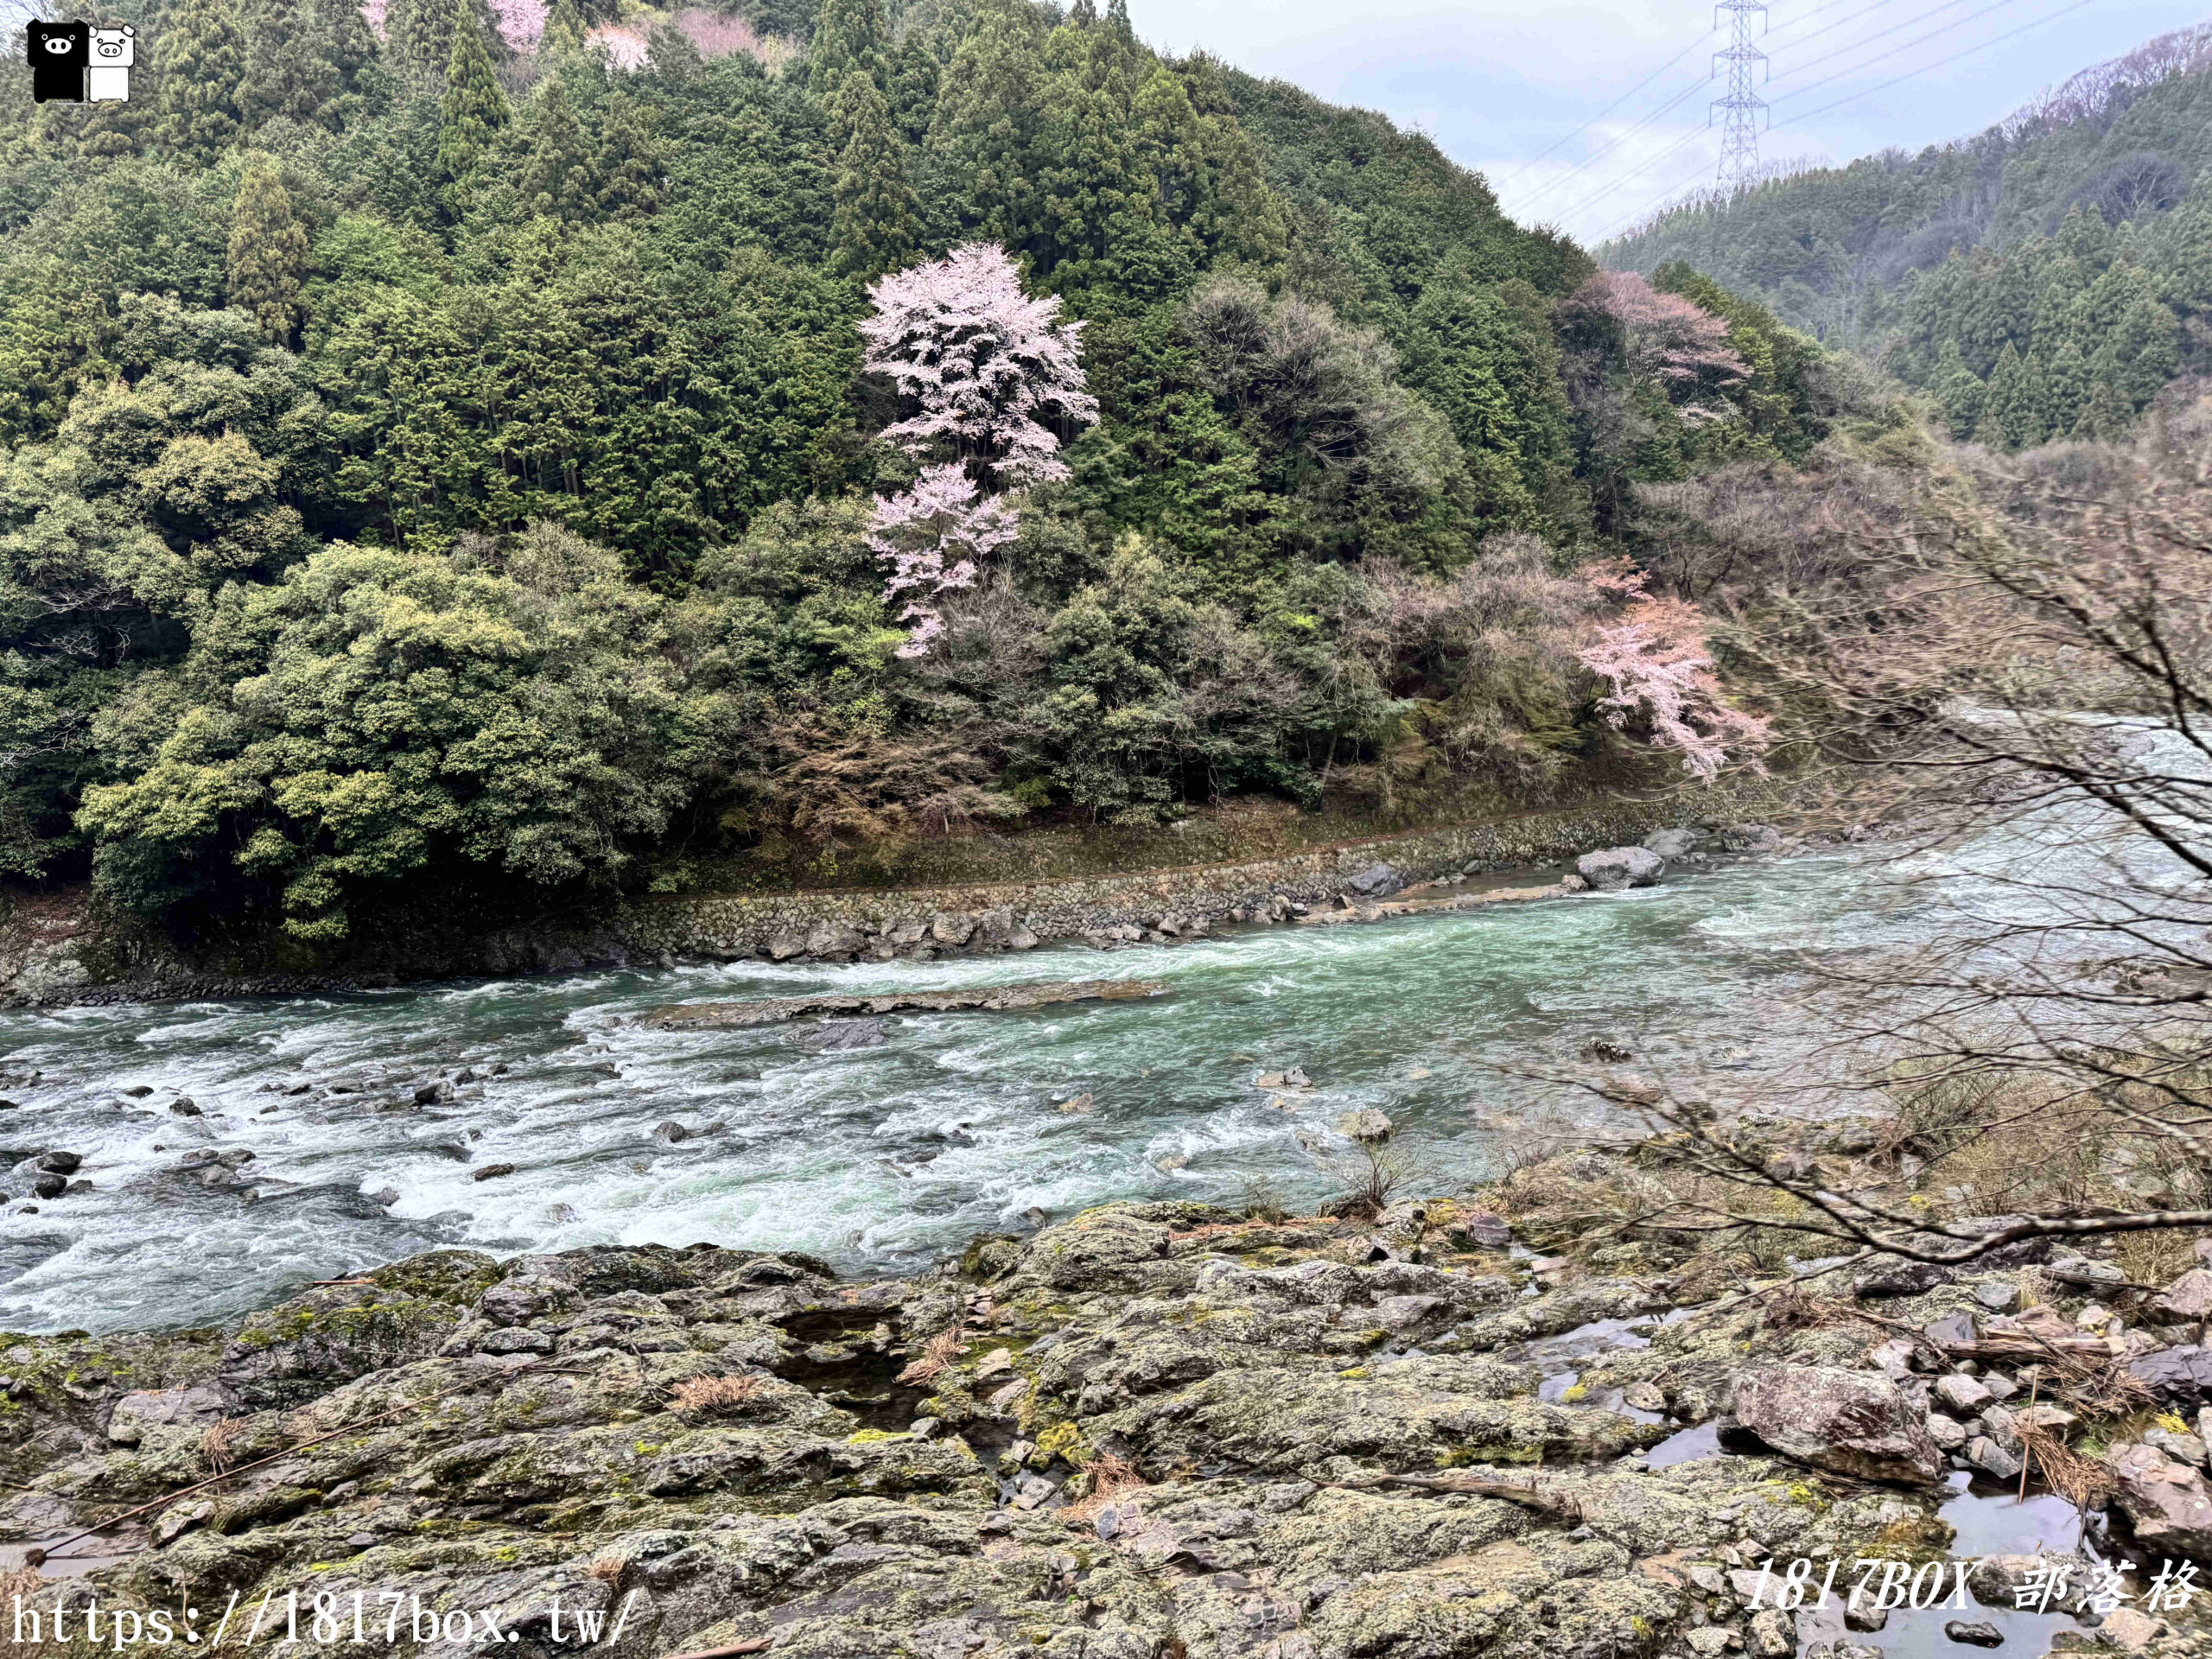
607,1569
215,1445
708,1396
936,1358
1107,1477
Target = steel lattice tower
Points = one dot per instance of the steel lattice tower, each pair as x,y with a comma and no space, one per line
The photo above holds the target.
1744,109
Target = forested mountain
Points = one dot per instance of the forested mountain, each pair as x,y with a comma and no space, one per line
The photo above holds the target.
441,439
2041,279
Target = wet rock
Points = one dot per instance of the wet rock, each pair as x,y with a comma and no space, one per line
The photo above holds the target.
1751,838
1978,1633
834,942
1987,1455
1375,881
49,1186
2131,1630
492,1172
1367,1125
783,946
1619,867
841,1036
1847,1423
2189,1297
433,1093
951,927
182,1106
60,1163
669,1132
2165,1499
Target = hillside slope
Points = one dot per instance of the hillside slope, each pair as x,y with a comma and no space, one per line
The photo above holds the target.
2043,276
440,446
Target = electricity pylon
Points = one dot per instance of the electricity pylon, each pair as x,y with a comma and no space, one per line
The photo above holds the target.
1745,110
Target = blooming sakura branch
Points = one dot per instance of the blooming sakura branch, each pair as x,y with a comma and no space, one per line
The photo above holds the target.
1653,658
983,361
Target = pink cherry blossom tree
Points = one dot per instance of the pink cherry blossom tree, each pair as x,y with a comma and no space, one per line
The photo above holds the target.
1667,338
1655,658
983,362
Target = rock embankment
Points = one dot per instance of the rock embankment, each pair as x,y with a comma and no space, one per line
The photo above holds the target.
1152,1430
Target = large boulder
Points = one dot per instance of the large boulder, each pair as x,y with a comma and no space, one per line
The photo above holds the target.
2165,1500
1375,880
1617,868
1751,838
1850,1423
1673,844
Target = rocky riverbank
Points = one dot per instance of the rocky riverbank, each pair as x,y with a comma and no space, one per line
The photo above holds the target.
1149,1430
64,948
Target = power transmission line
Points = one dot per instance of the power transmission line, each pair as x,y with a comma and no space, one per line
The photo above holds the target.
1551,186
1919,39
1939,64
1523,170
1656,204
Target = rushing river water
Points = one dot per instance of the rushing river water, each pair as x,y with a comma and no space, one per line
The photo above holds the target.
880,1157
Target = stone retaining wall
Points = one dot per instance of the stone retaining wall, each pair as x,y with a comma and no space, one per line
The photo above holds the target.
913,921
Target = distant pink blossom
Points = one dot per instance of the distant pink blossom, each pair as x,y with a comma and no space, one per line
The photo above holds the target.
521,22
374,11
1654,658
983,359
1667,338
717,34
626,49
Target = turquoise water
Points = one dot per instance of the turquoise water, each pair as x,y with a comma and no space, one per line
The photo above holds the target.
1461,1027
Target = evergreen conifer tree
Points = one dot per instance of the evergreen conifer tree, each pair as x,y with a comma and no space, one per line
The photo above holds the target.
2141,353
475,107
290,67
201,60
2066,388
2027,424
877,220
565,29
556,179
848,36
632,184
268,255
2000,419
1960,391
2104,415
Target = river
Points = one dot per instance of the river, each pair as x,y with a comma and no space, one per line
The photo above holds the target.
1458,1026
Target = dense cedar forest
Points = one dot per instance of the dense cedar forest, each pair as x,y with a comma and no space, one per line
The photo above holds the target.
2042,280
439,440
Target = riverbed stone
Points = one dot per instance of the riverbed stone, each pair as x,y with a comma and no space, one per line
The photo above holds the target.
1751,838
2189,1297
2165,1499
1849,1422
1616,868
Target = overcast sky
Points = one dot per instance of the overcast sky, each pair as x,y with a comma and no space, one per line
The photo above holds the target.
1499,82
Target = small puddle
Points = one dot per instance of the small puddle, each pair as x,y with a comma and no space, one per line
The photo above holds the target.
1912,1634
1702,1440
71,1566
1991,1519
